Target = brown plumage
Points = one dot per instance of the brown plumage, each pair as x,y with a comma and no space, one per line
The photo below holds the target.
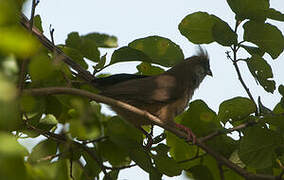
165,95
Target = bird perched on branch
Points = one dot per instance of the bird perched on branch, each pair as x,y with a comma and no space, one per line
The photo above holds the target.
165,95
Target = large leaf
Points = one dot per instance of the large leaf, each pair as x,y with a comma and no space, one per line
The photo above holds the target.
249,9
200,27
235,109
141,158
86,46
253,50
42,150
101,40
262,71
15,40
197,27
116,155
257,147
122,133
222,33
147,69
200,118
164,163
274,14
128,54
266,36
11,158
159,49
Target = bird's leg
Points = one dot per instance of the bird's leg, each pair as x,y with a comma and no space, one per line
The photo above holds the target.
149,138
190,135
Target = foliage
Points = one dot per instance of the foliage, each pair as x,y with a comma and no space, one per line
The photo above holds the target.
70,122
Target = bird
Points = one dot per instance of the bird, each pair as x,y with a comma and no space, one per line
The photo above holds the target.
165,95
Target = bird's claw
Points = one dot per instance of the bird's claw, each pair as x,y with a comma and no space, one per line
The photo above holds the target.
190,135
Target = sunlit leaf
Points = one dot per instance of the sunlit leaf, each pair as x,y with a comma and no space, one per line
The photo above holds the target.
15,40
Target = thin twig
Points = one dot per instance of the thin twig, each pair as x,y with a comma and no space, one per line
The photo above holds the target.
234,60
120,168
51,32
34,4
95,140
226,131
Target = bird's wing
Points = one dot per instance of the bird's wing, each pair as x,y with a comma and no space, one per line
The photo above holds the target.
156,89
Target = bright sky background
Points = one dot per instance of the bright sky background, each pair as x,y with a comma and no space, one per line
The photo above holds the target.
132,19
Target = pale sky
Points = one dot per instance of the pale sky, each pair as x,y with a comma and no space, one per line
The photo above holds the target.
132,19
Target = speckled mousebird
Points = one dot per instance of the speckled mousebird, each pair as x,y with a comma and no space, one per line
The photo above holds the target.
165,95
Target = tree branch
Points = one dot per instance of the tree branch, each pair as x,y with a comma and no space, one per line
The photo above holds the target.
234,60
84,74
156,121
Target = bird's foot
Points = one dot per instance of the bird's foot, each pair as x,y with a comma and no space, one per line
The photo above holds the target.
190,135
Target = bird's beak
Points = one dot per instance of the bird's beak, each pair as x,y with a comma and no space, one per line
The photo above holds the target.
209,72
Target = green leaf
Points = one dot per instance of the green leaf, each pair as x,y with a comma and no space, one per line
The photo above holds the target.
200,27
197,27
274,14
179,149
101,63
235,109
48,122
159,49
41,68
201,172
15,40
38,22
262,71
9,108
76,56
92,168
255,153
8,12
222,33
11,147
102,40
253,50
86,46
141,158
249,9
122,133
128,54
281,90
41,150
116,158
155,174
200,118
266,36
164,163
147,69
